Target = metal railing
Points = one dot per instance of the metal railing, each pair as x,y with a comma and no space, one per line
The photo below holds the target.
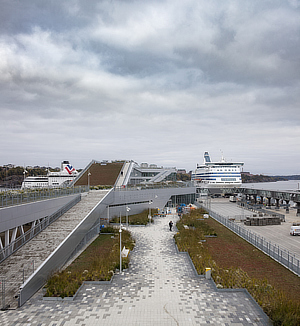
281,255
92,233
18,197
21,240
155,186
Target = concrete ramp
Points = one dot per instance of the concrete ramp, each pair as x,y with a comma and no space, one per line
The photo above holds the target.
19,266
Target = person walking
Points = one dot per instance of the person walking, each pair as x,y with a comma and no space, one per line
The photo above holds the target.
170,225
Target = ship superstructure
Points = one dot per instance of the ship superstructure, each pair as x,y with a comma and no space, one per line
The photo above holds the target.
220,174
60,178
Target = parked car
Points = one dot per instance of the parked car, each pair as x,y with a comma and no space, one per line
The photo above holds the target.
295,230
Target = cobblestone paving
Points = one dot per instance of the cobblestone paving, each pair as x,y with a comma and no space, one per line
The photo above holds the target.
159,288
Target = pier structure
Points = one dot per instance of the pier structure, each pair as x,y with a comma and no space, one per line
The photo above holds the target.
281,197
258,196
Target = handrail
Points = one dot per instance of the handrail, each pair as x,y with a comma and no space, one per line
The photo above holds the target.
155,186
19,197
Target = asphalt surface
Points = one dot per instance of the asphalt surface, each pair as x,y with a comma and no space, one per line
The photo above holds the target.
277,234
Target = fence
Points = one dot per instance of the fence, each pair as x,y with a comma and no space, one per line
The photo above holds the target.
21,240
91,234
18,197
283,256
156,186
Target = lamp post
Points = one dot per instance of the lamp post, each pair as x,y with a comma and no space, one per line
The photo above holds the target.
127,210
149,216
107,213
89,174
24,173
120,231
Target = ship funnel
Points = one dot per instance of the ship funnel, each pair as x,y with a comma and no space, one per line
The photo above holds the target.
206,157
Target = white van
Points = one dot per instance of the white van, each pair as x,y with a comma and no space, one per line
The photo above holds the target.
295,230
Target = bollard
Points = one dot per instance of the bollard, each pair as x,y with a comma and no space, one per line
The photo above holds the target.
208,273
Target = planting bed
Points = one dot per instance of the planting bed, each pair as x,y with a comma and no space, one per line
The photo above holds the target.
97,263
230,250
137,219
237,264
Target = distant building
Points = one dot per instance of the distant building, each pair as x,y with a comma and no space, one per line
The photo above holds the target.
181,171
9,166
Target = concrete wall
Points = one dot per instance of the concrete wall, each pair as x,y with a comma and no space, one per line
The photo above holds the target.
14,216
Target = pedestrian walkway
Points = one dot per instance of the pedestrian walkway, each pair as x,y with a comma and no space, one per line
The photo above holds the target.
159,288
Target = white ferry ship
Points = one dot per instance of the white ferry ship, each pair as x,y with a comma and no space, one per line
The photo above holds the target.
64,177
217,174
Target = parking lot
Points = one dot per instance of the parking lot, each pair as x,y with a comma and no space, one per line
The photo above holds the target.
277,234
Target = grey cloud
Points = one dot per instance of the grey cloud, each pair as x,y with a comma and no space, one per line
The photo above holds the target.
151,81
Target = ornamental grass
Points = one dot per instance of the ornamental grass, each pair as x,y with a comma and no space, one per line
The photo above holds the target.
137,219
97,263
195,237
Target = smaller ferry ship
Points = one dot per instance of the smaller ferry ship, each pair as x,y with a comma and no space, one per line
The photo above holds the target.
61,178
217,174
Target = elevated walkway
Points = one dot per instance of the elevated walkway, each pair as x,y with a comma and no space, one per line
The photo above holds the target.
20,265
124,174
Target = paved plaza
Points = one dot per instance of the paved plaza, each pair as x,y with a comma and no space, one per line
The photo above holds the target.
159,288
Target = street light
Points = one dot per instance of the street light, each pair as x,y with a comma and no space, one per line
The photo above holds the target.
127,210
149,216
107,213
24,173
120,231
89,174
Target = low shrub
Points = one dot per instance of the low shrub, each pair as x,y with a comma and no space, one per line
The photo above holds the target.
108,229
136,219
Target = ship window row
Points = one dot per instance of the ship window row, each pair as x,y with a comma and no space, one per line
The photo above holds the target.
221,174
222,179
225,169
228,179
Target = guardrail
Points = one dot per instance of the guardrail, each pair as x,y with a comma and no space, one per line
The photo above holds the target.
18,197
155,186
21,240
283,256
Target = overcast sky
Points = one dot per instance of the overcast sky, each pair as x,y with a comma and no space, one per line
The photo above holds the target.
151,81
